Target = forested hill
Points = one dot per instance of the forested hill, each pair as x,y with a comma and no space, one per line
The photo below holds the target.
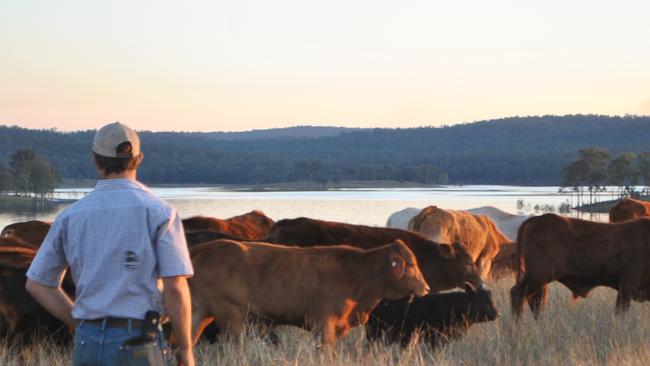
518,150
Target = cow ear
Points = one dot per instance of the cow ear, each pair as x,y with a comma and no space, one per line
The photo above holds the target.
446,251
470,289
397,265
404,249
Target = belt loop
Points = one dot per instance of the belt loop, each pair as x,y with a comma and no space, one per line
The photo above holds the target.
129,325
104,322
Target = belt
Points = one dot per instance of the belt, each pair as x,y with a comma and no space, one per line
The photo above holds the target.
116,322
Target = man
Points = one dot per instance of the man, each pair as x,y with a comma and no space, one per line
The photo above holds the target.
118,241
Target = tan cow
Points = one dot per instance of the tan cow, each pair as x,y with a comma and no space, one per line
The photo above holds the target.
629,209
477,233
328,289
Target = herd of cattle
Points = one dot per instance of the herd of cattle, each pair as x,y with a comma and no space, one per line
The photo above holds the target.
329,277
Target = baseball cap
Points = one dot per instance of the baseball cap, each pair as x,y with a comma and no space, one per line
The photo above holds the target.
109,137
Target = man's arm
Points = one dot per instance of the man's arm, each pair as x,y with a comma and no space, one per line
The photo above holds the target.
54,300
178,306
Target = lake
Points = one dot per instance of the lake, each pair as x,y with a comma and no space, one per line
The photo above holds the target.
356,206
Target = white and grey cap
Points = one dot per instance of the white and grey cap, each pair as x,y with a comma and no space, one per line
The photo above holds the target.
109,137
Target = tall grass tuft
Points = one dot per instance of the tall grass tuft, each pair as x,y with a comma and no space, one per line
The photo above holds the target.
586,333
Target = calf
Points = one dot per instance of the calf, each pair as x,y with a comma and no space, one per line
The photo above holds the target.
436,317
327,289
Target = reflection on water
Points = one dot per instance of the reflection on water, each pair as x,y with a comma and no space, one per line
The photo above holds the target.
357,206
29,206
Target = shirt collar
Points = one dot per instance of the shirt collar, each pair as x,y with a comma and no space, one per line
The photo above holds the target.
122,183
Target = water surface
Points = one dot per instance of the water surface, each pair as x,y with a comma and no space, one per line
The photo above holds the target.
357,206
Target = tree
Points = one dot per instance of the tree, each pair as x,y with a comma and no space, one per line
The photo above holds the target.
622,173
32,174
576,177
595,160
20,163
44,177
643,166
589,170
6,179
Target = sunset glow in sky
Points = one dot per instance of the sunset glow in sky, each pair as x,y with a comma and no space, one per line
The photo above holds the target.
240,65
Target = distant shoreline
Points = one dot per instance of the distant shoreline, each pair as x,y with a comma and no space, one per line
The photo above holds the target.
605,206
273,187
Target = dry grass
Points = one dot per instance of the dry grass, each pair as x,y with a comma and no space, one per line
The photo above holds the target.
587,333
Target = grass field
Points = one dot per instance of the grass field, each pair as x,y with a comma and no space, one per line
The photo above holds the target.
586,333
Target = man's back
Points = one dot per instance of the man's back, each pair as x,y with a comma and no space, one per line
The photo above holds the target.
118,242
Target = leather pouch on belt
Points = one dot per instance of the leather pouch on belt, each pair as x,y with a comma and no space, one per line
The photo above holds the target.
142,354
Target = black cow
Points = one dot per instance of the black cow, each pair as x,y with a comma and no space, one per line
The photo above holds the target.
438,317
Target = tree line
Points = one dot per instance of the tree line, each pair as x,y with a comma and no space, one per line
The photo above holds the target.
28,175
517,151
595,168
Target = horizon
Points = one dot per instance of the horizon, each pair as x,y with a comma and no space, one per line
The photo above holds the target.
235,67
57,129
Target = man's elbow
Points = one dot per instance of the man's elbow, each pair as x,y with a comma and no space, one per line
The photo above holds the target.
175,287
31,287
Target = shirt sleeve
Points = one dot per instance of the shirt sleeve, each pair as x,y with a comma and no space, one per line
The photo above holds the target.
171,249
49,264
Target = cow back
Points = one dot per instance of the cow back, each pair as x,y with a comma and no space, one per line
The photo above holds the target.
444,266
629,209
32,232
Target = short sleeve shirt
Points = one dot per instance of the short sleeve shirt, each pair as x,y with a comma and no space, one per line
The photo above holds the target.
117,241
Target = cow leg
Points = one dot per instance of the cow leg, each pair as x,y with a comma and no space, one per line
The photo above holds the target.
622,300
327,330
200,320
518,298
537,300
483,266
529,291
230,321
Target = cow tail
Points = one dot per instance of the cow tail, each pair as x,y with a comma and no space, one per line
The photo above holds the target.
520,263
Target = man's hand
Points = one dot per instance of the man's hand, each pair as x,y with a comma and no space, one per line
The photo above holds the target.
54,300
185,358
178,307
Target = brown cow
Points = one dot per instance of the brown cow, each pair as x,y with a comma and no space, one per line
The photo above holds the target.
328,289
444,266
477,233
203,236
629,209
253,225
581,255
22,319
31,232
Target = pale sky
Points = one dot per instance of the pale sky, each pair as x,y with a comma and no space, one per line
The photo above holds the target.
240,65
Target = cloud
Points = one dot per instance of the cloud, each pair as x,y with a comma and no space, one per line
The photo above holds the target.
644,108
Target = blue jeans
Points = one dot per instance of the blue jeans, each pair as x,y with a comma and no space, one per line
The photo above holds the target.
100,345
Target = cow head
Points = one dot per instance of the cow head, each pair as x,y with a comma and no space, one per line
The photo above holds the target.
459,268
405,274
481,305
